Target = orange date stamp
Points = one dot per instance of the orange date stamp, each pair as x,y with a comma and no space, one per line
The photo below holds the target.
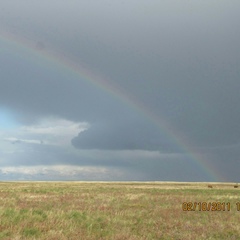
208,206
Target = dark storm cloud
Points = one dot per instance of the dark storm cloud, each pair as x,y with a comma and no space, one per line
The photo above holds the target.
33,87
42,91
177,59
183,67
223,160
126,135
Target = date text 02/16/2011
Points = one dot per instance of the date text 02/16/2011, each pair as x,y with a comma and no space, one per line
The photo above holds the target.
208,206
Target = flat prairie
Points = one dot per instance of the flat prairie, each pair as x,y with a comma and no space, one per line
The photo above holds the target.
119,210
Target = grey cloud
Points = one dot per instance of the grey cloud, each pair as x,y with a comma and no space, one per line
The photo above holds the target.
130,135
179,60
32,88
120,165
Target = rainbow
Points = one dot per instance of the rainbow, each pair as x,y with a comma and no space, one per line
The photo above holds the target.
59,61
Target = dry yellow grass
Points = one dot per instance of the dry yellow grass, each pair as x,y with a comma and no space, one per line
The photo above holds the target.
124,210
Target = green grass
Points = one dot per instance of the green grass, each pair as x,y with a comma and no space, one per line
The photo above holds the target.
82,210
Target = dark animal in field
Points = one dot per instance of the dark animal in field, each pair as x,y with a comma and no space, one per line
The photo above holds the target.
210,186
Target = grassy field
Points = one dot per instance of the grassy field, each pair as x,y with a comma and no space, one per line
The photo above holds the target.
118,211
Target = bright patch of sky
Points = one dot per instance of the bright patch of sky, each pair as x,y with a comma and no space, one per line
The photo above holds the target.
66,172
50,131
20,141
7,120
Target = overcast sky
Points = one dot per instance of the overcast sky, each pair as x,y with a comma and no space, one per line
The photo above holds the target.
120,90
